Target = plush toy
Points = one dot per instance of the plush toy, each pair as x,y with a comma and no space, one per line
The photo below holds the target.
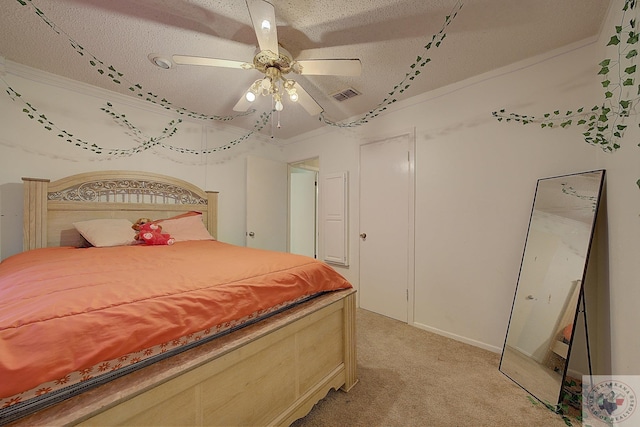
151,233
136,226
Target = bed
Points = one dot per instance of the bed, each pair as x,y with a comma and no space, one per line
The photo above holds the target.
210,363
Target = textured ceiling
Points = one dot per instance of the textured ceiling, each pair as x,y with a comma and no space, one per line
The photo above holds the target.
386,35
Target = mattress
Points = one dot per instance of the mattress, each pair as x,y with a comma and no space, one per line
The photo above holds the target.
73,315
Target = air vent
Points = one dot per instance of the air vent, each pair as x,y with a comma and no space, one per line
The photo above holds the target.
345,94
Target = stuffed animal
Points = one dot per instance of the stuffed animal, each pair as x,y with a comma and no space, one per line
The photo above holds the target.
136,226
151,233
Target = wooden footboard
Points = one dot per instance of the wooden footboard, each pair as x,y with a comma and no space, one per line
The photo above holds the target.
269,373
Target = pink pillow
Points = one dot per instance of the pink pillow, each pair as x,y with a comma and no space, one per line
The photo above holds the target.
187,226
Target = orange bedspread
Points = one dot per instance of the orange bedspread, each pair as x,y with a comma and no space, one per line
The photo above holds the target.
66,309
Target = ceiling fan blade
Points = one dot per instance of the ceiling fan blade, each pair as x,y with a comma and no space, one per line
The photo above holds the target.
332,67
263,17
209,62
307,102
242,105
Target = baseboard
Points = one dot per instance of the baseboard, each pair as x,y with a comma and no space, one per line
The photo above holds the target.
460,338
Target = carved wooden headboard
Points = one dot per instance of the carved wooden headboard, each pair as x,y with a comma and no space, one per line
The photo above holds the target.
51,208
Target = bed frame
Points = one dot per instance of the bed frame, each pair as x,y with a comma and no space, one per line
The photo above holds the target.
268,373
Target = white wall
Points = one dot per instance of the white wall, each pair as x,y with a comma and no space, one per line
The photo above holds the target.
475,185
337,151
619,240
475,181
28,149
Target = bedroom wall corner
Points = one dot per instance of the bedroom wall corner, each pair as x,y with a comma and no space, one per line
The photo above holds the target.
616,256
619,240
475,181
337,150
82,132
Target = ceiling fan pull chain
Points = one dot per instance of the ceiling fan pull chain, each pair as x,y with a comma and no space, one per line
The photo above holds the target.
272,124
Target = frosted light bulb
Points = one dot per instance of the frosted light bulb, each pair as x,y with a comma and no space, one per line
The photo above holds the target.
250,96
279,106
293,96
266,83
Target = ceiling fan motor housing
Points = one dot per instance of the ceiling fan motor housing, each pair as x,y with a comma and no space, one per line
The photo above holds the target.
266,59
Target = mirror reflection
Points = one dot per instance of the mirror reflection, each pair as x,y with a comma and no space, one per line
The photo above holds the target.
545,305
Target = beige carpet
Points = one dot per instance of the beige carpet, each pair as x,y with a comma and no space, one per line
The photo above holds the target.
410,377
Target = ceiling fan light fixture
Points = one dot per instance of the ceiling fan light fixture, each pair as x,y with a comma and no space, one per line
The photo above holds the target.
289,86
266,83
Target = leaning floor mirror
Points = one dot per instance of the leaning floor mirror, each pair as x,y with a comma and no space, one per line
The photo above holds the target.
550,284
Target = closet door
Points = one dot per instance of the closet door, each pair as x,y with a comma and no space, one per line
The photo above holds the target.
266,204
386,233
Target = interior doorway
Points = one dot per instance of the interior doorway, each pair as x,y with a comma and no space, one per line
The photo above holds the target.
303,207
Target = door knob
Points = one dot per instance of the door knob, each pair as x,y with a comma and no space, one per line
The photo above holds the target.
363,236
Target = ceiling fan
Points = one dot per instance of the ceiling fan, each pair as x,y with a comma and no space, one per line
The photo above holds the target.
275,63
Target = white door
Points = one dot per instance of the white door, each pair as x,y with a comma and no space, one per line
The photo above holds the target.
266,204
302,212
385,214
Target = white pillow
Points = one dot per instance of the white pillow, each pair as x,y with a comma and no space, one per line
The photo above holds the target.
107,232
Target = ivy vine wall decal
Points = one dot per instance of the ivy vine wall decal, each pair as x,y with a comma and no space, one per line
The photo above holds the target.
604,123
145,142
414,71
